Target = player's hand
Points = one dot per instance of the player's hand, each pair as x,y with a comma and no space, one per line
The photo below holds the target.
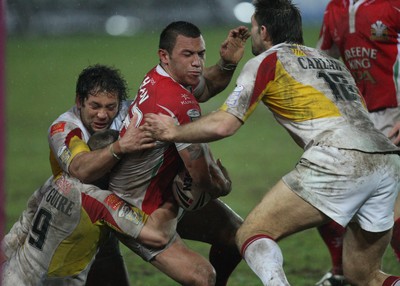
159,126
232,49
134,139
394,134
221,179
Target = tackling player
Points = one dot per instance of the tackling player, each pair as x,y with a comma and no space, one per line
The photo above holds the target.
365,35
70,223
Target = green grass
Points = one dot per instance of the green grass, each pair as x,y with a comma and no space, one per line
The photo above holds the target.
41,75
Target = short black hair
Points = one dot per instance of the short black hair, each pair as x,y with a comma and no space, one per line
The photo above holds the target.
281,18
101,77
170,33
102,138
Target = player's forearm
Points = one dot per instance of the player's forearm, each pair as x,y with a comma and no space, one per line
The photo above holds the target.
90,166
217,78
211,127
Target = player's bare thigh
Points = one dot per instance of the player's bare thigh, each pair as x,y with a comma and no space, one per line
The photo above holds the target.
280,213
184,265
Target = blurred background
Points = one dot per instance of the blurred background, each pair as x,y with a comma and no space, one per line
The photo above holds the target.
127,17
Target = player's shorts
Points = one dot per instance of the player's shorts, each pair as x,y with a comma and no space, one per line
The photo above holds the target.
348,185
385,119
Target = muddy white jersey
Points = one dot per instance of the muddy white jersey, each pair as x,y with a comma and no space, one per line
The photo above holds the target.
71,221
314,97
68,136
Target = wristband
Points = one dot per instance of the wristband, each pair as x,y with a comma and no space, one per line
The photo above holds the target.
226,67
111,149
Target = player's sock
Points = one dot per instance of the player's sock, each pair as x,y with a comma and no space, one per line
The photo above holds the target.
395,242
264,257
392,281
224,259
332,233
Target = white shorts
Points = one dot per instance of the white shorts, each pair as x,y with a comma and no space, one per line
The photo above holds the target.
385,119
348,185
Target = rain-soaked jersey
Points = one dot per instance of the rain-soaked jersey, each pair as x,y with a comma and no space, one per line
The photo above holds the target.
70,223
145,179
367,36
313,96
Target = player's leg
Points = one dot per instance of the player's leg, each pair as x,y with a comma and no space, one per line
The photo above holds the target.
395,242
362,255
108,269
280,213
184,265
216,224
332,234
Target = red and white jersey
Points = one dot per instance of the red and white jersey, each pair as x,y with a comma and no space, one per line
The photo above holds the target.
367,37
311,95
145,179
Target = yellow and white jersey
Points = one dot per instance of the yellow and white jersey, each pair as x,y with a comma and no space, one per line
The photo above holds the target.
310,94
71,221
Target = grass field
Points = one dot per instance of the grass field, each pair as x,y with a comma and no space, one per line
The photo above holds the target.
41,75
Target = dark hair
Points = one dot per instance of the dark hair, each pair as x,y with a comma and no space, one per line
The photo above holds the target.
100,77
169,34
281,18
102,138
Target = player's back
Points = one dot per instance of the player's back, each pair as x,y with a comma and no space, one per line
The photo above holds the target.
61,242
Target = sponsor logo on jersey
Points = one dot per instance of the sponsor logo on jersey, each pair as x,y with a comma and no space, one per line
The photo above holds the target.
57,128
379,32
64,154
113,201
233,98
130,214
63,185
193,114
187,99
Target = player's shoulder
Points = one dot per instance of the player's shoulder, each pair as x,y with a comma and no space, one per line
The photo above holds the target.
337,4
395,4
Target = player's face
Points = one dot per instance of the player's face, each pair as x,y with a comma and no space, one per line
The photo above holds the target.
98,110
257,45
186,62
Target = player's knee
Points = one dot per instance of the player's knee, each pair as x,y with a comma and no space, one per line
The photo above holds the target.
242,234
204,275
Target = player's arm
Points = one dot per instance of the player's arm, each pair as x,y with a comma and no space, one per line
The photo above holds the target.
217,77
394,134
207,174
212,127
325,41
75,157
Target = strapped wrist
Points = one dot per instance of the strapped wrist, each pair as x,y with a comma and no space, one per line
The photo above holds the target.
111,149
224,66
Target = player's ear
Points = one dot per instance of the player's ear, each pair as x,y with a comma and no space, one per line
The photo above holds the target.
78,101
164,56
264,34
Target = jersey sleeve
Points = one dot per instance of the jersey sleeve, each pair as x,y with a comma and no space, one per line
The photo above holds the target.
105,208
66,141
325,41
244,99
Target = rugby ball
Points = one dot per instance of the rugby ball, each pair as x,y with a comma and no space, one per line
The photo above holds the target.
187,197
